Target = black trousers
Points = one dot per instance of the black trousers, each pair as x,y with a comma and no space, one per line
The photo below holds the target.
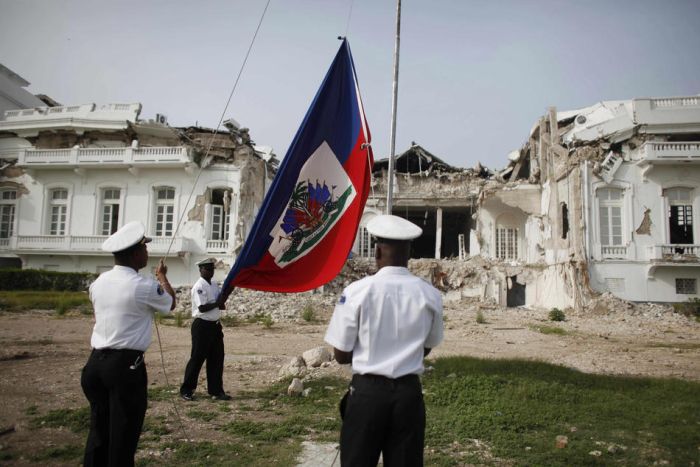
207,344
383,415
115,383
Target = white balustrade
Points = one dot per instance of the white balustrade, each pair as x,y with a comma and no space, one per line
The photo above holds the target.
86,243
97,156
613,252
680,151
217,246
676,102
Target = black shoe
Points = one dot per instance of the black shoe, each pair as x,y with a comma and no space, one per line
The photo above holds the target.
188,396
222,396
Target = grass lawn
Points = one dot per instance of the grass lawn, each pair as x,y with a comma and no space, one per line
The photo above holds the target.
60,302
487,412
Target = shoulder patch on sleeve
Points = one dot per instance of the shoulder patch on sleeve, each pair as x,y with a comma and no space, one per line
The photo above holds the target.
160,290
200,291
341,300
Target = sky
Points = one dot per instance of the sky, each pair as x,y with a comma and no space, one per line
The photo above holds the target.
474,76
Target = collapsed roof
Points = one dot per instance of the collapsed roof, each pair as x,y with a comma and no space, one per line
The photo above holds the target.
415,160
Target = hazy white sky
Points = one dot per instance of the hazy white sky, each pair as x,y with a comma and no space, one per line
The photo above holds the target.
474,77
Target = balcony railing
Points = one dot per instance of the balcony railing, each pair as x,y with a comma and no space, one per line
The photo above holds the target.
83,244
613,252
658,151
684,110
95,157
217,246
679,253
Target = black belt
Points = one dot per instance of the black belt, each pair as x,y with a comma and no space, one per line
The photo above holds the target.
385,379
107,350
208,321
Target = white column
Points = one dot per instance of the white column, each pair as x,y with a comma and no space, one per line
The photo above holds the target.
438,233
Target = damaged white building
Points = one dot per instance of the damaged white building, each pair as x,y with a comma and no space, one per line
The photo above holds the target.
72,175
601,199
436,196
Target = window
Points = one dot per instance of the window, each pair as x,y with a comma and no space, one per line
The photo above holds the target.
365,243
680,215
615,284
610,215
58,210
507,243
564,220
220,208
8,199
165,211
110,211
686,286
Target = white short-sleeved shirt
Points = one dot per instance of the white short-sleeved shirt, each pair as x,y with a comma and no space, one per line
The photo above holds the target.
387,320
124,303
203,293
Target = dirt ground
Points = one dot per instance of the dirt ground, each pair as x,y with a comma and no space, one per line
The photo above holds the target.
41,356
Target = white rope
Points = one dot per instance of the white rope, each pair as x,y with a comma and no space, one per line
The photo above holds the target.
194,186
347,24
216,131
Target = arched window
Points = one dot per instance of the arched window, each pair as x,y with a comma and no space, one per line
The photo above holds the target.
610,216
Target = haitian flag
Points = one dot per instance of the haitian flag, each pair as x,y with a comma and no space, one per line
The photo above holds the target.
308,221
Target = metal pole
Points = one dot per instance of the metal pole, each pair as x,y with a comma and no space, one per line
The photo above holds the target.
394,96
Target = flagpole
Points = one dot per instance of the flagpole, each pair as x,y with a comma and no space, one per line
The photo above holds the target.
394,99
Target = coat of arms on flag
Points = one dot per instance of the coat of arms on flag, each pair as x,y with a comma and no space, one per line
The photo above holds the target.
314,207
308,221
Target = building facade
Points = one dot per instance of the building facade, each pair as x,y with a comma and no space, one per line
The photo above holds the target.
73,175
601,199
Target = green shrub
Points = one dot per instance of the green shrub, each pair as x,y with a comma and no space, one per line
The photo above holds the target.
230,321
556,315
308,314
44,300
261,318
34,279
480,317
266,320
690,308
179,319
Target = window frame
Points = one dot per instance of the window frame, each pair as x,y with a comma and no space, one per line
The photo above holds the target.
51,203
11,203
668,206
99,217
167,202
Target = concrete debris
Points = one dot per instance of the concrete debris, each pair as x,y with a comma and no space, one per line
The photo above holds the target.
296,388
315,357
295,368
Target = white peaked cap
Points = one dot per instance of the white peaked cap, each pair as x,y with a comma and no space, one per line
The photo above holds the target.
206,261
129,235
393,228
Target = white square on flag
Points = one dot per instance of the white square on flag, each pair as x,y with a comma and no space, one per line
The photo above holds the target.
321,195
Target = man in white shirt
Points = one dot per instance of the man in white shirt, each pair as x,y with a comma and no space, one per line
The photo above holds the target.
114,378
207,336
385,325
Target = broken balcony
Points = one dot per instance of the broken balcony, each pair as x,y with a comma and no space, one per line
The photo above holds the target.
679,253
